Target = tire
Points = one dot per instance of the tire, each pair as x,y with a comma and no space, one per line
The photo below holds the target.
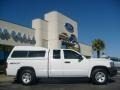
27,77
99,76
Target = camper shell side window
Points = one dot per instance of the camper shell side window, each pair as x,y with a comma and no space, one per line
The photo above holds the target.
28,54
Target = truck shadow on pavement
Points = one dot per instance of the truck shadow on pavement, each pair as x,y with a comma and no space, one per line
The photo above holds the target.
65,81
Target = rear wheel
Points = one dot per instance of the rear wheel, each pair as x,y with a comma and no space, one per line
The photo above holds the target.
27,77
99,76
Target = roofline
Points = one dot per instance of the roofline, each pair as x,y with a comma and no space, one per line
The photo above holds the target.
17,24
76,21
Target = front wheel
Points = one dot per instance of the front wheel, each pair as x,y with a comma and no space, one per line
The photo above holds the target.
27,77
99,76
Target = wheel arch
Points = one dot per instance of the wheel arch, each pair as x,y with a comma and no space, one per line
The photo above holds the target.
23,68
98,67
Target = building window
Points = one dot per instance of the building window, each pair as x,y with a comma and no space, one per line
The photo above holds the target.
1,55
63,46
19,54
36,54
4,52
56,54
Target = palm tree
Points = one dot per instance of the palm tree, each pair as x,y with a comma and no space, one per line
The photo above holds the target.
98,45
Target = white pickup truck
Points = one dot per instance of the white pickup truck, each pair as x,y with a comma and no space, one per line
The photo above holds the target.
27,63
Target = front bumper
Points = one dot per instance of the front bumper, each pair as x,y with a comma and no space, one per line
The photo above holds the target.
112,71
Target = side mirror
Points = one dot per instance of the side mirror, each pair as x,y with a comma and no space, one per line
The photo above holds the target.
80,59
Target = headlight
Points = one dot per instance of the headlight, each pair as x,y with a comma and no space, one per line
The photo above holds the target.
112,64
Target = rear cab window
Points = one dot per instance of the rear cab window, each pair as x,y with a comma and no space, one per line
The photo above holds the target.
56,54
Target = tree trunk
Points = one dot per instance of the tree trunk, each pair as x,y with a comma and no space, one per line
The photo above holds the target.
78,46
98,54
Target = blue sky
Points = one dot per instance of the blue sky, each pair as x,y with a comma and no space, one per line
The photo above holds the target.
96,18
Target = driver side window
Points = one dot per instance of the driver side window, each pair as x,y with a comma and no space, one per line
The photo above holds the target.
68,54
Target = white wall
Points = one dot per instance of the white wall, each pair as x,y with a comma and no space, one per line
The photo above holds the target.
56,22
41,32
17,28
86,49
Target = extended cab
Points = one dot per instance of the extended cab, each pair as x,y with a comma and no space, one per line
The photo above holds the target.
27,63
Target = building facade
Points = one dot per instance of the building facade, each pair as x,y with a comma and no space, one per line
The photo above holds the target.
54,32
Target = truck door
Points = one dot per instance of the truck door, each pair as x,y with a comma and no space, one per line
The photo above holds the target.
55,64
75,65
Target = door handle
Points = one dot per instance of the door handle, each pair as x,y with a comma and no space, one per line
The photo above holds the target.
14,63
67,62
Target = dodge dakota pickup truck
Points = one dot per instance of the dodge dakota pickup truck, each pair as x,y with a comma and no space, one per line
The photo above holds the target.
27,63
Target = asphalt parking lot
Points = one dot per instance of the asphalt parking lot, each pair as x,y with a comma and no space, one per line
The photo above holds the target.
7,83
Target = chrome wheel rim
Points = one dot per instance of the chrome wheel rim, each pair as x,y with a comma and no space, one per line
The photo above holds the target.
100,77
26,78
